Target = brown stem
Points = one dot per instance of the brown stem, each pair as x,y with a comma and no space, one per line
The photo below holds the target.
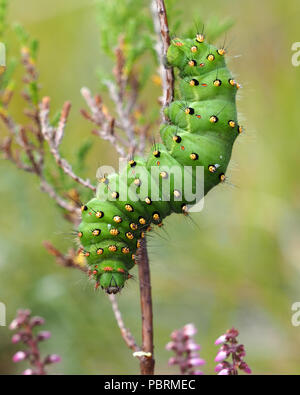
125,333
167,74
35,352
146,363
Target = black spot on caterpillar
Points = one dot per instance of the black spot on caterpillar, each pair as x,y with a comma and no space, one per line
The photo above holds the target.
201,131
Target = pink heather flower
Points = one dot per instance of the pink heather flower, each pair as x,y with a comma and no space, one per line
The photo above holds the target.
35,321
223,372
53,358
233,352
221,356
189,330
16,338
24,325
192,346
172,361
28,372
174,335
19,356
22,316
221,339
219,367
232,333
170,346
14,325
243,366
196,361
43,335
185,349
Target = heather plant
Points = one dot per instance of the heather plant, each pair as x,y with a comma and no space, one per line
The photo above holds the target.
187,357
186,350
230,349
28,338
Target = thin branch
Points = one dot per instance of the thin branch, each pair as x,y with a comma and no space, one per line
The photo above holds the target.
69,260
102,120
62,123
47,188
124,92
124,117
146,363
54,136
125,333
163,42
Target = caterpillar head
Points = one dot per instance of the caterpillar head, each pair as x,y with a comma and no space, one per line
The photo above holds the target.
110,276
112,283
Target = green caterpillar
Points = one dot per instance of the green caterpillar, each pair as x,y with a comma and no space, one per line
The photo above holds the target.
201,131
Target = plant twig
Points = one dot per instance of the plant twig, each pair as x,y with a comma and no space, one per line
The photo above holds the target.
54,137
72,259
47,188
163,42
122,130
125,333
146,363
102,120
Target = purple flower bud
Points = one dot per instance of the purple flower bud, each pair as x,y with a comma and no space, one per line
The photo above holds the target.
28,372
247,370
172,361
232,333
221,339
170,346
189,330
223,372
16,338
221,356
19,356
53,358
175,335
35,321
22,316
219,367
14,324
196,362
43,335
24,312
192,346
243,366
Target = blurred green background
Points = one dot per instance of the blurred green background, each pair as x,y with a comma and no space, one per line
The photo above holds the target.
238,267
